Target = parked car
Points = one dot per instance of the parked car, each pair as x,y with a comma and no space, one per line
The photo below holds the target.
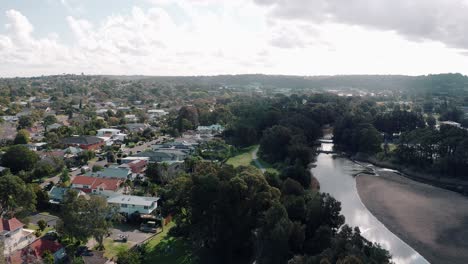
149,227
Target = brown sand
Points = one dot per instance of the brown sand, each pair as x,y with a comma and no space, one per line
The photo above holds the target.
431,220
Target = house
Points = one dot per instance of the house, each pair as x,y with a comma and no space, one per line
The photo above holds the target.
114,134
449,123
53,126
99,186
120,173
131,159
131,118
136,166
84,142
213,129
156,113
56,194
72,152
129,204
33,252
14,236
36,146
163,155
136,127
182,146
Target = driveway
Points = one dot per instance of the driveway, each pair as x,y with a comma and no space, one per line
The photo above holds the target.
51,220
135,236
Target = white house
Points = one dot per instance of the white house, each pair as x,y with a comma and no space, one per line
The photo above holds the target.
114,134
14,236
130,204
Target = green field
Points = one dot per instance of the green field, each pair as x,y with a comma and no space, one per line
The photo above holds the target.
244,158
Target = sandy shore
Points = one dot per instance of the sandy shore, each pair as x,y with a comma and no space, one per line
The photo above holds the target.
433,221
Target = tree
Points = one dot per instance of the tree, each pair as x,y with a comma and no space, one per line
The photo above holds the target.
48,258
431,121
128,257
15,195
25,122
18,158
22,137
83,218
42,224
97,168
49,120
64,176
273,236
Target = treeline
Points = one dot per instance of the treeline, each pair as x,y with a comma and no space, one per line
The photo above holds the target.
443,151
232,215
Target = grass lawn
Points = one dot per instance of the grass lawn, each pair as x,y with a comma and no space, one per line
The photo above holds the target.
244,158
112,247
267,166
166,249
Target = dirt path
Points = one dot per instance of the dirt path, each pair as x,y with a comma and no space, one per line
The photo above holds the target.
433,221
255,159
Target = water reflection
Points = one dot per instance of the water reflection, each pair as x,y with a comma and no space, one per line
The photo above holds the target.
336,177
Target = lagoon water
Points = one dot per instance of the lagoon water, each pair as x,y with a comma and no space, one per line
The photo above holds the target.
336,176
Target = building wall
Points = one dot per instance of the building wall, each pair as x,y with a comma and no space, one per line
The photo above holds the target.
18,239
130,209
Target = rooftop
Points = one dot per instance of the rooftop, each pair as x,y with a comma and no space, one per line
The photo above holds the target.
10,224
82,140
131,199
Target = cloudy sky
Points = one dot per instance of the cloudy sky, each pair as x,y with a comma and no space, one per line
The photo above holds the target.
206,37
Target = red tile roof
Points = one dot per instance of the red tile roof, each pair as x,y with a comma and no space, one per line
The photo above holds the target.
94,182
10,224
84,180
107,184
34,251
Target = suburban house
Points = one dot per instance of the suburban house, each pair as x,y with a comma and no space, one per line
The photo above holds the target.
56,194
84,142
121,173
136,127
100,186
131,118
114,134
156,113
129,204
33,252
182,146
13,235
136,166
132,159
213,129
163,155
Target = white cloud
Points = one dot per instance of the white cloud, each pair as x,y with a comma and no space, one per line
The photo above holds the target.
437,20
214,37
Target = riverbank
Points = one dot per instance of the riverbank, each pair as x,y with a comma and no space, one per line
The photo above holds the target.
452,184
433,221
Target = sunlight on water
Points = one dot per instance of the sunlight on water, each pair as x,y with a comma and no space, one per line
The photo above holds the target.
336,177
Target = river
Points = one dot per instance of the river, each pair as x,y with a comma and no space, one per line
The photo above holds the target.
336,176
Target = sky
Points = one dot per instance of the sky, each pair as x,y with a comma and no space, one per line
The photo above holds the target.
210,37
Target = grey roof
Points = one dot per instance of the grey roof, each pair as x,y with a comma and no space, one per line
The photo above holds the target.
163,155
82,140
131,199
111,172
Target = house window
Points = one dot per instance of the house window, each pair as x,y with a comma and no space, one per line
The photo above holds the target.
133,205
94,191
145,207
86,186
123,205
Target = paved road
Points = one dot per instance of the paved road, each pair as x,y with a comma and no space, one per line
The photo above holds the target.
255,159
